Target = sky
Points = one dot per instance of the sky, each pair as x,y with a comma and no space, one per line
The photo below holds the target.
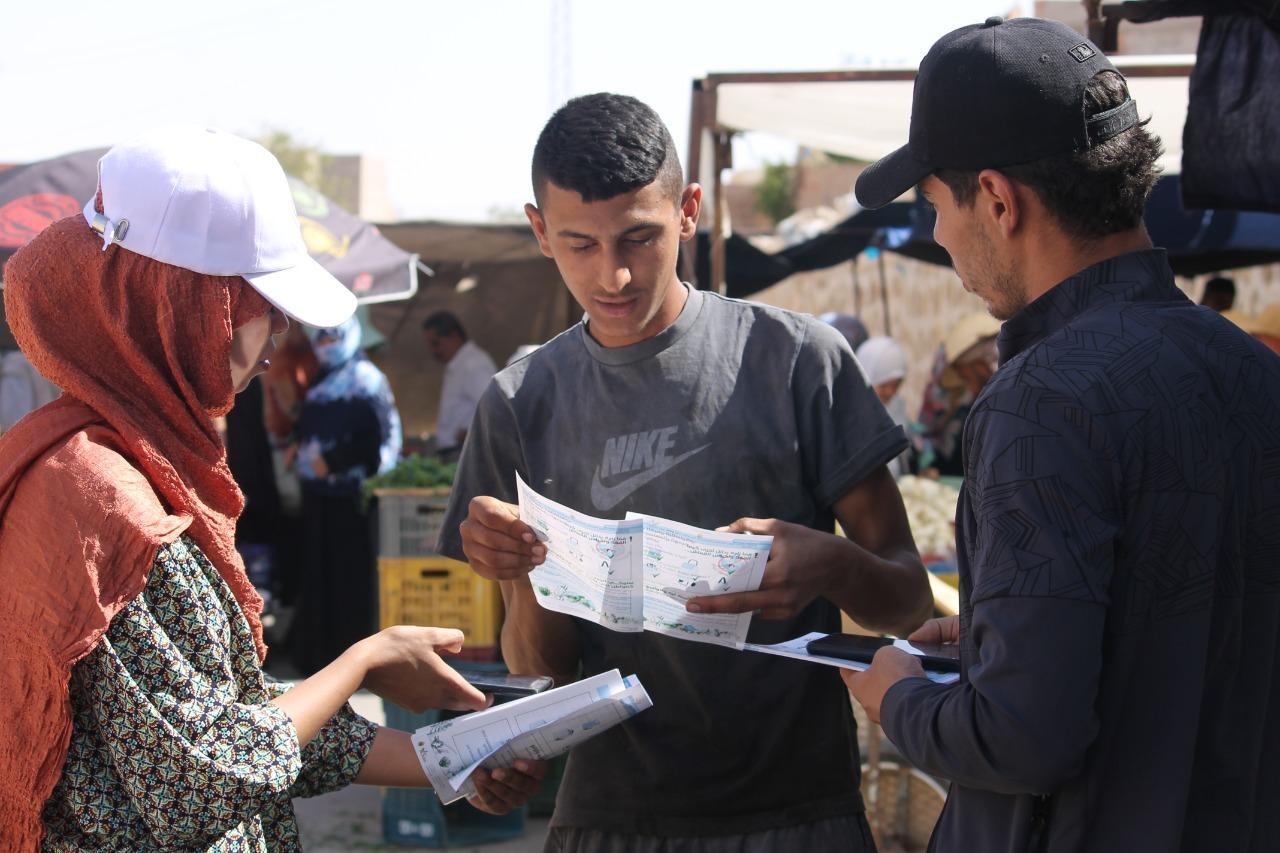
449,96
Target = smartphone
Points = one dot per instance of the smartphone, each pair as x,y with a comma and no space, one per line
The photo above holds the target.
503,685
936,657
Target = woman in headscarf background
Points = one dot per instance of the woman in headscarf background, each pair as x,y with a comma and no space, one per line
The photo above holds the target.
848,325
885,362
348,430
137,713
963,364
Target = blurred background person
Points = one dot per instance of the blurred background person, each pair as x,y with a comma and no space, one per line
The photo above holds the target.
848,325
467,371
964,363
885,362
1219,294
249,458
293,369
347,430
22,389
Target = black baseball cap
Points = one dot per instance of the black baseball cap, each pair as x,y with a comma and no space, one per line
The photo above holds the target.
997,94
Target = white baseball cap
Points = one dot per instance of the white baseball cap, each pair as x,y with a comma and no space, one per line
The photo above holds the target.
215,204
883,359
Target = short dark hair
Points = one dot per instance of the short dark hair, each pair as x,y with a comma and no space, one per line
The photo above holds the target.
603,145
444,324
1092,193
1221,285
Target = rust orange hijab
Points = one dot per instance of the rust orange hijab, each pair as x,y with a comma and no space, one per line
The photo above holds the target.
92,484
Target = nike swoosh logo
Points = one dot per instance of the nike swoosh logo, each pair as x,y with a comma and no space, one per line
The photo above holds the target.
607,497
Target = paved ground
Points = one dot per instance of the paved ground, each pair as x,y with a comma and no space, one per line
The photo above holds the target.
351,819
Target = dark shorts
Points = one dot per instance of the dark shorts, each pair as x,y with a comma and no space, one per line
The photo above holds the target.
832,835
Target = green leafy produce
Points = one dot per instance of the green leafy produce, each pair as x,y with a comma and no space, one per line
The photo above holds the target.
413,472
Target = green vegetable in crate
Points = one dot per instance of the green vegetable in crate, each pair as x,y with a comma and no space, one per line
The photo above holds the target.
413,472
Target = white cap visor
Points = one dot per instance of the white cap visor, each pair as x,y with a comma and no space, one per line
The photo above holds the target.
307,292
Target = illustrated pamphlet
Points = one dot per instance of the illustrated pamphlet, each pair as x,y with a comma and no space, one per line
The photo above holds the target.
536,727
798,649
636,574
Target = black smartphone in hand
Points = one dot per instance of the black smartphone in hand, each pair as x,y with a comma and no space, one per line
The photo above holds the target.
503,685
936,657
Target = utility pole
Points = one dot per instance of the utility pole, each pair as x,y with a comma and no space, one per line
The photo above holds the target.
560,55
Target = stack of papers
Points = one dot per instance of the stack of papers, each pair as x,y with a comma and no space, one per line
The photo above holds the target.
535,727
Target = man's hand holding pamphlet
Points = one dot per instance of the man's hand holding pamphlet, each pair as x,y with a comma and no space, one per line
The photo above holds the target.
636,574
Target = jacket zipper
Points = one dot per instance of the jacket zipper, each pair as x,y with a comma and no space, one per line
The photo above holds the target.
1038,839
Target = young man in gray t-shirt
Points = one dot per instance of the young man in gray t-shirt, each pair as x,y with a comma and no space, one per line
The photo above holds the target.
678,403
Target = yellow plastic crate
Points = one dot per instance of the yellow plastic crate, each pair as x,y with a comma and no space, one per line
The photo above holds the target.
440,592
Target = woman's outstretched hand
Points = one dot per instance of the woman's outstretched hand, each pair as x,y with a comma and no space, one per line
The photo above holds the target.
403,664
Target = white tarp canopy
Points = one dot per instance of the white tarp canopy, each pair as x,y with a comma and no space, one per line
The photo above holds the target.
866,119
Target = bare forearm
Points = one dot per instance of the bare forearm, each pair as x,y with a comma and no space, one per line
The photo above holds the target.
888,593
537,641
313,702
393,762
884,587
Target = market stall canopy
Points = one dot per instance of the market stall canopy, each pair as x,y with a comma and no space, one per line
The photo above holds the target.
439,243
866,114
749,270
38,194
863,114
493,278
1197,241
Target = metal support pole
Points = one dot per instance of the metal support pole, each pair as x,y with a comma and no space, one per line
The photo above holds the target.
884,289
723,160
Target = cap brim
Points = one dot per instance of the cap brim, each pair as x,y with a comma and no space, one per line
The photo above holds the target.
307,293
888,178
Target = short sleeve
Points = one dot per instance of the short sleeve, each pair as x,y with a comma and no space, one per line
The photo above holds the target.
845,432
491,458
333,758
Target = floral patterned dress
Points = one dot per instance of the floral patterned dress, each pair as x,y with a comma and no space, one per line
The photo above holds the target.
175,744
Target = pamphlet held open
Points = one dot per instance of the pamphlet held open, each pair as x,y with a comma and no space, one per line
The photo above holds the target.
636,574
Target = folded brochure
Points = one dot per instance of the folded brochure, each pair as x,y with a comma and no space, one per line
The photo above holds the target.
636,574
536,727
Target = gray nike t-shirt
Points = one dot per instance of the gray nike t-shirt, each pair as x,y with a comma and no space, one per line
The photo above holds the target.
735,410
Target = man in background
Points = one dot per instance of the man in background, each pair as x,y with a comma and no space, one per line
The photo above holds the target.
1219,294
467,372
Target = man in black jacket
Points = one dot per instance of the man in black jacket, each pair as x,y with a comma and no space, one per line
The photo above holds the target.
1119,527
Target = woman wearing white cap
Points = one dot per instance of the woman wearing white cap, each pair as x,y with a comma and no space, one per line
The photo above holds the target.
138,713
